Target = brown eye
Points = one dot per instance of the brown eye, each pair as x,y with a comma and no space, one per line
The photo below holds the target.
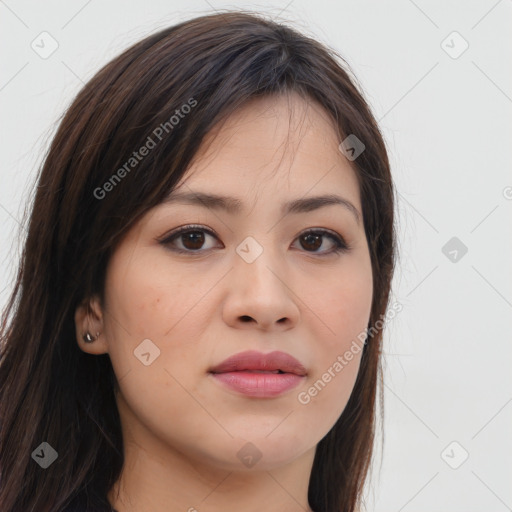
192,240
313,240
189,240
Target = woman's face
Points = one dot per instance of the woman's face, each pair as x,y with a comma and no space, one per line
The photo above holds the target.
246,277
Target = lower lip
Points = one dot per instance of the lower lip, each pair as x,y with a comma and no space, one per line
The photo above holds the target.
261,385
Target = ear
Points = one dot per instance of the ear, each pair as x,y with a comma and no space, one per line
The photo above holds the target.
89,318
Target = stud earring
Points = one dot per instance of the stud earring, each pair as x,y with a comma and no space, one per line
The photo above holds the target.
89,338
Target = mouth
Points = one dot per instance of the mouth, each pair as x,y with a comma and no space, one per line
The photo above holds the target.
251,371
251,360
259,375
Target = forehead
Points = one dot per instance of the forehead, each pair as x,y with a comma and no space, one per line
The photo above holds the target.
273,146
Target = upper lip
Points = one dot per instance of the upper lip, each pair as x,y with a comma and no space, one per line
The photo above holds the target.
253,360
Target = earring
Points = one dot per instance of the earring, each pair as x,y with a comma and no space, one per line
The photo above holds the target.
88,338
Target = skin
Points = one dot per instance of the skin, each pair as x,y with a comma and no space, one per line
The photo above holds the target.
181,428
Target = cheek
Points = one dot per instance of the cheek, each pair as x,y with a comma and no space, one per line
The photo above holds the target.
344,309
147,296
328,391
148,300
342,304
337,359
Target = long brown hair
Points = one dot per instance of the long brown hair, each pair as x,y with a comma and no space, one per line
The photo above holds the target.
50,390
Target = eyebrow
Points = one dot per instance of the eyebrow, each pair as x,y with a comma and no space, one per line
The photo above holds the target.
233,205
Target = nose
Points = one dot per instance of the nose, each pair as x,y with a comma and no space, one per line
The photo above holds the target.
260,295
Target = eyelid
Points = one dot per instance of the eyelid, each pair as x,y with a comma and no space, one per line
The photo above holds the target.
168,237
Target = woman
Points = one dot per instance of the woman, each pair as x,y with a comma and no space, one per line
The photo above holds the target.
210,247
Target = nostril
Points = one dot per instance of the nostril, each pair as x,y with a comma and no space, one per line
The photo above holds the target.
245,318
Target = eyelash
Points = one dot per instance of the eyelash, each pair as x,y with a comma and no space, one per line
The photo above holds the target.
340,245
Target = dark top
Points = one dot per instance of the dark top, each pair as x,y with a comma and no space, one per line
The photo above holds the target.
82,508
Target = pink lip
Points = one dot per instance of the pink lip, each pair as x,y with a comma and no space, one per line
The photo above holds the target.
243,373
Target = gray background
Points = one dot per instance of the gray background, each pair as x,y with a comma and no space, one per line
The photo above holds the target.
447,121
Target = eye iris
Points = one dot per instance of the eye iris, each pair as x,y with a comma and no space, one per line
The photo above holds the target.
196,238
314,239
